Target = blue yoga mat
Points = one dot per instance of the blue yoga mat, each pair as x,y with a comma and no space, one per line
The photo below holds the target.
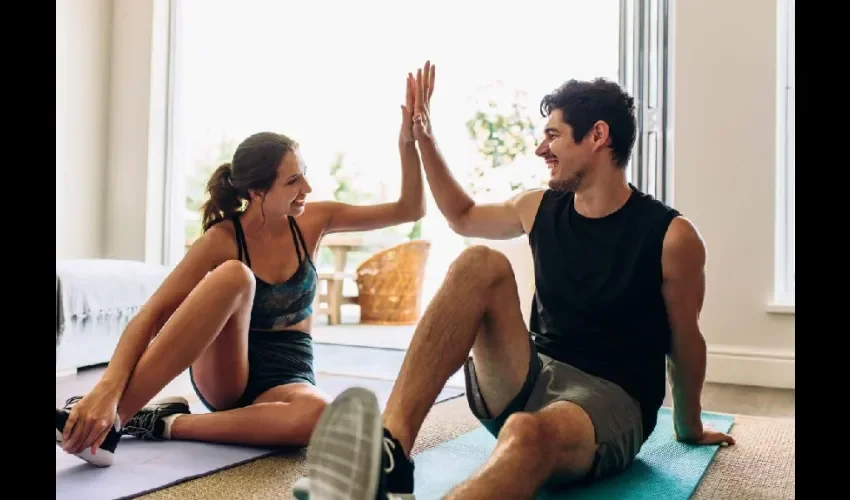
664,468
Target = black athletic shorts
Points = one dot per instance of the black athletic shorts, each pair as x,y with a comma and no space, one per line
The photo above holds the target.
274,358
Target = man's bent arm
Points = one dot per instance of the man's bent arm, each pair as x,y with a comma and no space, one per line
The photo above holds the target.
494,221
683,262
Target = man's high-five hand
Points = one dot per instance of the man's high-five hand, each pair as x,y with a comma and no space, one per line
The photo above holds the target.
422,97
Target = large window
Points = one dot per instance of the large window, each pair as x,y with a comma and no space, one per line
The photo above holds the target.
785,202
335,82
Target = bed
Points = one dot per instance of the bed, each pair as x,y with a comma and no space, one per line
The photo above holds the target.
95,299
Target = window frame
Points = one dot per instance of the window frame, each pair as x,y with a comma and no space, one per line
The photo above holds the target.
645,58
785,244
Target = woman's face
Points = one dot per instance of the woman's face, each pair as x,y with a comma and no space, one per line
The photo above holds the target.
288,192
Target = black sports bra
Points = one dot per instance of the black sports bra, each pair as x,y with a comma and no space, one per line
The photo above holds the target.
277,306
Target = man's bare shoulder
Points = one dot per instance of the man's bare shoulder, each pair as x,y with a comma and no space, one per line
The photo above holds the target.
683,250
682,235
526,205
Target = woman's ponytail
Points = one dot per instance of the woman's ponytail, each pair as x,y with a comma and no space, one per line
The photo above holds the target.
224,200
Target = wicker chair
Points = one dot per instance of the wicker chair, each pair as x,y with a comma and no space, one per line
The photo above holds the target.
389,284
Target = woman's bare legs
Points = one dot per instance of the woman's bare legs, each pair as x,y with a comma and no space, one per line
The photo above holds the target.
283,416
210,328
209,331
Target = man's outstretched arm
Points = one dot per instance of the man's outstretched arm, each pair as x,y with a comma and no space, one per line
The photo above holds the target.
683,263
505,220
494,221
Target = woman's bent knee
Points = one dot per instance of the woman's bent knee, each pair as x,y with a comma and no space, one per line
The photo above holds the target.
235,275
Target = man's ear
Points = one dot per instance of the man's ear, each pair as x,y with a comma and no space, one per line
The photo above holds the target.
600,135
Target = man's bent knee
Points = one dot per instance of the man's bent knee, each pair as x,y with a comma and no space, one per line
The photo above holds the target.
526,431
574,436
479,262
563,442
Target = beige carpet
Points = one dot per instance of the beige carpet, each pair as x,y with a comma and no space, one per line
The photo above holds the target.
759,467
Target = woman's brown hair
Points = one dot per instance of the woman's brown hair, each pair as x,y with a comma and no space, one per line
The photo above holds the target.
253,168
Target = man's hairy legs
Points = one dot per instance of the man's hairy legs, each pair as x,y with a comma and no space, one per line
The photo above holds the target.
477,309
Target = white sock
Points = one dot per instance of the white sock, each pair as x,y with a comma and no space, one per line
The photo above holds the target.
168,421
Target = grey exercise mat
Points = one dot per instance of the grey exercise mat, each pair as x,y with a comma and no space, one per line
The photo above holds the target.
361,361
142,466
357,361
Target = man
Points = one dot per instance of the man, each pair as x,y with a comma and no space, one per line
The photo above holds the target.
619,286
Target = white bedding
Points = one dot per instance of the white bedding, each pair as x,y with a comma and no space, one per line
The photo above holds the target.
96,298
98,288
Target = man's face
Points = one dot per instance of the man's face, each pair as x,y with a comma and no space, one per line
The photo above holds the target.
568,161
565,158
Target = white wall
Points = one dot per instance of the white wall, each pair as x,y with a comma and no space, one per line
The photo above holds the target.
724,73
83,32
111,61
724,115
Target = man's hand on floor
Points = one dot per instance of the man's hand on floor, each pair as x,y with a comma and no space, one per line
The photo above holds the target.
709,436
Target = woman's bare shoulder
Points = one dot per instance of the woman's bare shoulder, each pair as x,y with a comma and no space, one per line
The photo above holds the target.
218,243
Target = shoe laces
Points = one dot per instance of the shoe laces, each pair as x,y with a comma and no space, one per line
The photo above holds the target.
389,446
70,402
142,424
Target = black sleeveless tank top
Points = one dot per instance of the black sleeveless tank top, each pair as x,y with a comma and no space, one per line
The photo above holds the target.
280,305
598,304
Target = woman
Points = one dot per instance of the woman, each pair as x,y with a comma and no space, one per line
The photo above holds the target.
236,311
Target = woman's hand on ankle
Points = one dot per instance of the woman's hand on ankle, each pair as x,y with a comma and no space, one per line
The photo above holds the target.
90,420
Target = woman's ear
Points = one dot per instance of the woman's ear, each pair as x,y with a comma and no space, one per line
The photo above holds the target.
257,197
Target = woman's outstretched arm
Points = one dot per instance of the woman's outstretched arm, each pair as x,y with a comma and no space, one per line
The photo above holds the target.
410,206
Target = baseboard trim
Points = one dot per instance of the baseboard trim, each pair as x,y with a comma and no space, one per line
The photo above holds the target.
751,366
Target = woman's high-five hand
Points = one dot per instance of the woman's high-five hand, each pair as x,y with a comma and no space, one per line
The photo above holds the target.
407,110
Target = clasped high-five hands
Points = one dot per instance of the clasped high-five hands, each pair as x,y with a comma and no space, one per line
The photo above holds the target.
416,125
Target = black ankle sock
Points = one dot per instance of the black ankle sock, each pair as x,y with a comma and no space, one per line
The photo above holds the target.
400,478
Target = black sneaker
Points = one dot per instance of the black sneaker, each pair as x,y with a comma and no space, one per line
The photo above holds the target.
397,468
105,454
148,425
351,456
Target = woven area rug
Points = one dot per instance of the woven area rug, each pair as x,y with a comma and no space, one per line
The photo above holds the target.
760,466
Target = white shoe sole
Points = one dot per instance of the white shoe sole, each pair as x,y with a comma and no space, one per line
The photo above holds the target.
344,454
103,458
